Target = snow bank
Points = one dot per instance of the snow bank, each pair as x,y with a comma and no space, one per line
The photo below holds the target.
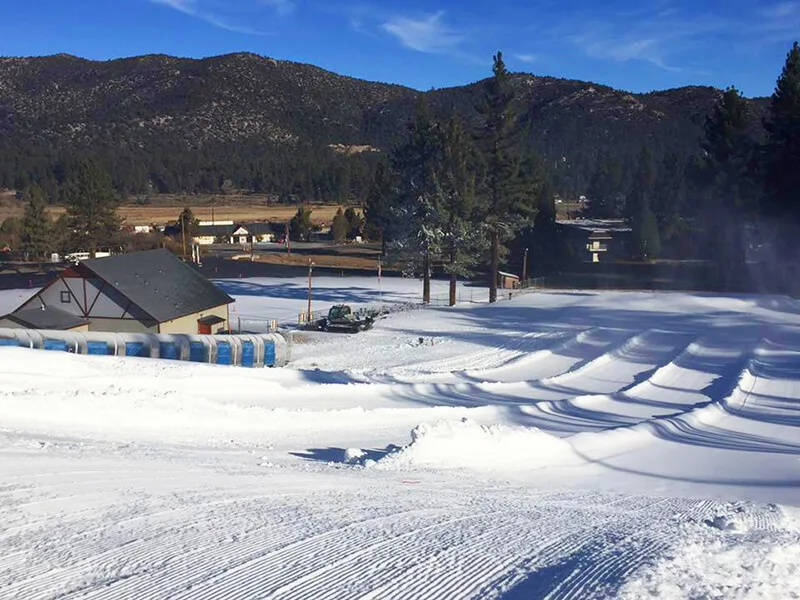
466,444
727,560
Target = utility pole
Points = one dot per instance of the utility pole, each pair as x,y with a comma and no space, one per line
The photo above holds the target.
287,240
380,285
525,268
310,272
183,232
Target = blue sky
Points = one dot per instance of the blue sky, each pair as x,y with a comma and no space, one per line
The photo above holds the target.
634,45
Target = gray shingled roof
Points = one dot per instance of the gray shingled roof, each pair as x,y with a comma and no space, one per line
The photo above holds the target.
47,318
158,282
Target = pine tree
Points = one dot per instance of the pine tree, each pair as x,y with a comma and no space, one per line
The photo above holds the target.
416,234
544,244
188,222
782,148
606,197
638,210
355,222
91,204
729,153
378,213
507,204
340,227
34,239
300,225
669,199
463,239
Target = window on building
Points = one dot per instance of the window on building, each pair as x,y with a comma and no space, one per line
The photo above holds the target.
66,297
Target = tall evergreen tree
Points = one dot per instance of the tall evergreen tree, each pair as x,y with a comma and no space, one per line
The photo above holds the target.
300,226
507,204
34,233
188,223
783,142
463,239
340,227
669,199
729,180
416,235
545,244
91,204
355,222
606,197
638,208
377,213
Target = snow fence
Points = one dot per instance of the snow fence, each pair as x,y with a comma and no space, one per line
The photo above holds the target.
256,350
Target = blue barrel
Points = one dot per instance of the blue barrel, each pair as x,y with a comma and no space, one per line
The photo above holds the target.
269,354
8,342
169,350
57,345
97,348
224,355
197,352
248,354
137,349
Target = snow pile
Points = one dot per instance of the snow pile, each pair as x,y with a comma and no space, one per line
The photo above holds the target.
725,562
469,445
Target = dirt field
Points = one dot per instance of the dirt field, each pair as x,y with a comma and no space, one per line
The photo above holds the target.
166,209
369,263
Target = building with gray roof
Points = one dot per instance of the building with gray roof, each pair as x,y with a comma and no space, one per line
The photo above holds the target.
141,292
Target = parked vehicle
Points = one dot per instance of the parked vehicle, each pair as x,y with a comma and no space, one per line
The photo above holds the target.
342,319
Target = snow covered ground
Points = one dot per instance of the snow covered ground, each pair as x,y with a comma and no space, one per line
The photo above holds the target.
282,299
558,445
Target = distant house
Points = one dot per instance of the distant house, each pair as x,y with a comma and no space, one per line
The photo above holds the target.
595,240
228,232
254,233
213,232
507,281
142,292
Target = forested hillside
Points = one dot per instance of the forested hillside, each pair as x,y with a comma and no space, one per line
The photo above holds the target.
241,121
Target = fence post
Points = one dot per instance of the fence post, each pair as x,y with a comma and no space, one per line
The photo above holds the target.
239,321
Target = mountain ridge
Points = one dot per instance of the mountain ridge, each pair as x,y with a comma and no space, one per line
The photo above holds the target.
156,109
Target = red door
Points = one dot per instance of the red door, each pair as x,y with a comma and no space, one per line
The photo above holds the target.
204,328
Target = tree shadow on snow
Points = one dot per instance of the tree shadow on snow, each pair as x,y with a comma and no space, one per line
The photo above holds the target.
340,455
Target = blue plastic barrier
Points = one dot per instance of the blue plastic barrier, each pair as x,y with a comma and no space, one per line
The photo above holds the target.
57,345
197,352
224,354
269,354
137,349
97,348
245,350
169,350
248,354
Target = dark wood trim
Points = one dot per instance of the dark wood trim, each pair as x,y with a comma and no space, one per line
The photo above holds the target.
85,300
127,308
99,293
74,297
87,272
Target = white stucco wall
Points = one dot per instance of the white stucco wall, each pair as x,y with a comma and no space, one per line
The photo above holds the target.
188,324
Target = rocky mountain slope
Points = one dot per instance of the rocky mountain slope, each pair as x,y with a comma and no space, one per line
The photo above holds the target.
164,105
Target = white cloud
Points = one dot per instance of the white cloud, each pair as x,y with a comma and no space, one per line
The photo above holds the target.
192,8
427,34
782,10
188,7
282,7
526,58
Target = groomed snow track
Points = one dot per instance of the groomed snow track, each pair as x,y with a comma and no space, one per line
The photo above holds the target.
562,446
